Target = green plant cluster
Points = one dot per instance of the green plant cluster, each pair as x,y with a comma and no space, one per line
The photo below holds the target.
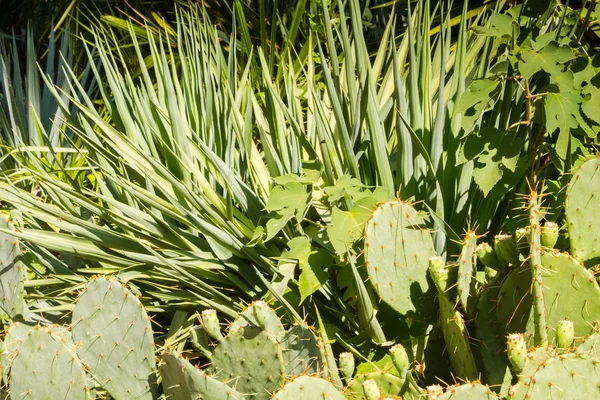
412,218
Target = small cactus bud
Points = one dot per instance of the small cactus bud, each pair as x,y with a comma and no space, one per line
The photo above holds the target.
261,312
400,359
506,250
434,391
487,256
550,234
371,390
346,362
565,333
210,321
517,350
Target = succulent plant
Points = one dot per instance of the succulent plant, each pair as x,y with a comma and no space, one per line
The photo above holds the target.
114,339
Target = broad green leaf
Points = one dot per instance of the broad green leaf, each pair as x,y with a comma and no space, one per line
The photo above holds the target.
562,113
345,185
495,151
591,103
286,202
347,226
499,25
480,94
311,262
550,58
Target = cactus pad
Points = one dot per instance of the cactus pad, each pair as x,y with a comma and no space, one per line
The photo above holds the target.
467,391
397,251
115,339
46,367
467,268
560,378
590,345
252,359
16,332
308,387
301,351
12,272
272,322
570,292
181,381
580,208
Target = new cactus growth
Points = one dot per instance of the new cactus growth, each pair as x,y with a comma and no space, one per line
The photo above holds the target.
12,272
261,313
114,339
516,348
400,359
581,207
370,390
347,365
199,340
487,256
565,333
181,381
434,392
467,268
397,249
550,233
505,247
46,367
211,324
453,325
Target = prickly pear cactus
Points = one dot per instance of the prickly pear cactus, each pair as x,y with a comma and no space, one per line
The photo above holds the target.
561,377
467,268
308,387
581,206
271,321
181,381
115,339
47,367
301,351
467,391
570,292
397,251
252,358
12,272
15,333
